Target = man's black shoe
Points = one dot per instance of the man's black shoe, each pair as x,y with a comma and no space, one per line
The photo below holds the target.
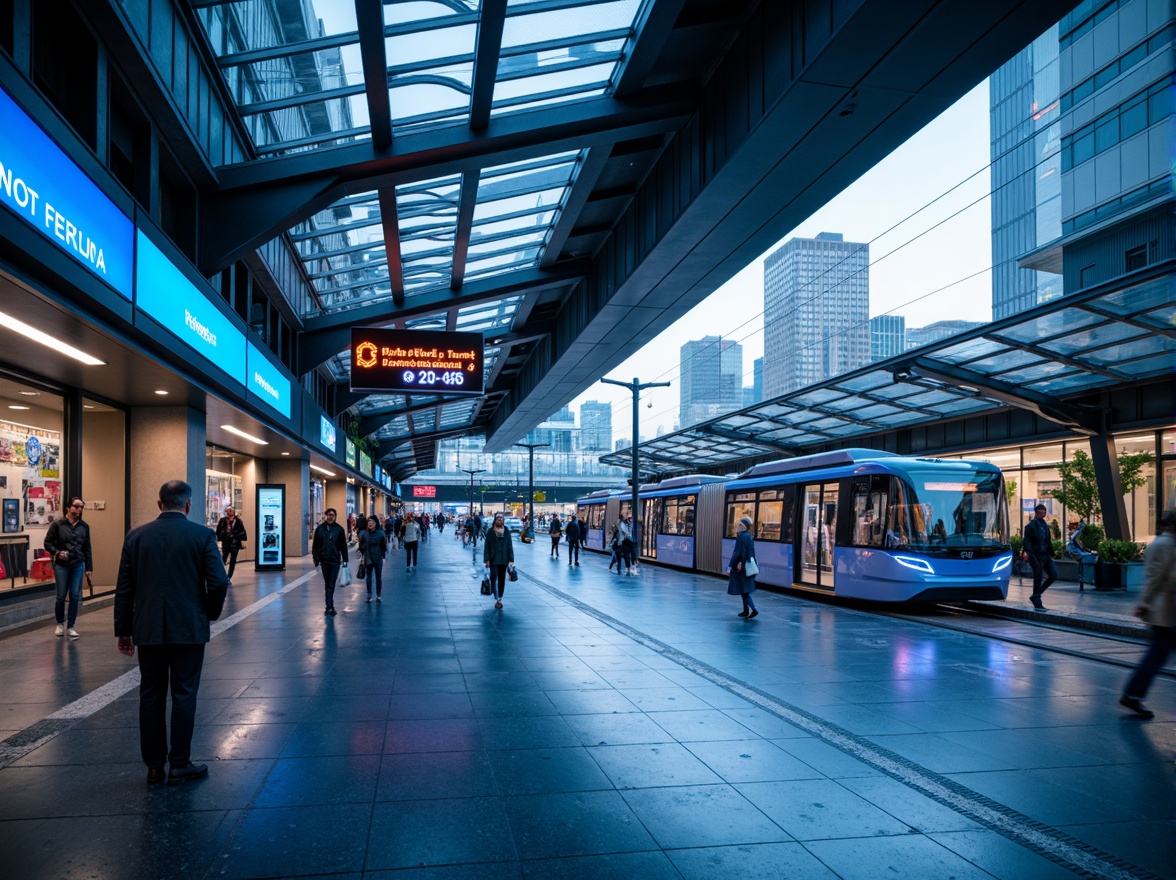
1136,706
182,774
155,775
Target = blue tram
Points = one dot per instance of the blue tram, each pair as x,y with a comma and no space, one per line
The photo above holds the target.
859,523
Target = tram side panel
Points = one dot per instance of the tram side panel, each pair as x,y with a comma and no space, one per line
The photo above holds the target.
708,528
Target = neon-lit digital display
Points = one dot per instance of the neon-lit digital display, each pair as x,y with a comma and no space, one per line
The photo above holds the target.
44,188
424,491
423,361
327,433
266,381
349,452
165,293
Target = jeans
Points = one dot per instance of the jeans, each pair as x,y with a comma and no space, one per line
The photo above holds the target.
1040,565
330,578
498,580
555,545
574,552
410,548
376,570
748,602
1163,640
69,580
229,555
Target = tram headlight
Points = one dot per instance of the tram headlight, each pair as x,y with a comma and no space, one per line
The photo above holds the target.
1002,563
914,562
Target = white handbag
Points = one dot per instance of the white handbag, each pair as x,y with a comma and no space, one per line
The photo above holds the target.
750,569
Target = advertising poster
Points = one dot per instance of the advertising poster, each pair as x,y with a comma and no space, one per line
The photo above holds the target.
30,462
271,519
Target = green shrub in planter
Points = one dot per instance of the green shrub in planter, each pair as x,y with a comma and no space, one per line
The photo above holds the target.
1018,544
1091,536
1120,551
1055,549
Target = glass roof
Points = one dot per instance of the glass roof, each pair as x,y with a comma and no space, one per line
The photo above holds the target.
1073,344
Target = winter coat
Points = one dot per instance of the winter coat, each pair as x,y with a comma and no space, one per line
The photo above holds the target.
573,531
1038,539
373,546
73,538
1158,580
740,583
496,550
412,531
330,543
231,537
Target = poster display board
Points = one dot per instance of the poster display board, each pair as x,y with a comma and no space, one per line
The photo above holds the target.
270,527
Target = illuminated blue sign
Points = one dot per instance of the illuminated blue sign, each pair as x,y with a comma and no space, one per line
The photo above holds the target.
327,433
42,186
266,381
165,293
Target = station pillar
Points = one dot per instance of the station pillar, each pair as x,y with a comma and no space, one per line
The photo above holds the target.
166,443
1110,487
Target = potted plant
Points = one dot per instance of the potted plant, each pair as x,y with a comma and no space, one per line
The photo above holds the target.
1119,566
1020,566
1092,536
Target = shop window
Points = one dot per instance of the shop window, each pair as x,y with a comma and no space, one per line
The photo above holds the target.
1135,259
1049,454
31,456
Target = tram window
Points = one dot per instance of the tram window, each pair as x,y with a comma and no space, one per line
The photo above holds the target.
869,503
739,506
679,516
769,520
596,516
669,523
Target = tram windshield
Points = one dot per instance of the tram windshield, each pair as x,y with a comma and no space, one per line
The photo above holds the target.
948,510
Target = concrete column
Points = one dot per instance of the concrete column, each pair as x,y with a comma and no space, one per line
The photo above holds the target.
295,475
167,443
1110,487
335,495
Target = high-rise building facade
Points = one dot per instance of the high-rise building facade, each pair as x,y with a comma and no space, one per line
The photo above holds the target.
596,426
887,336
1101,126
816,311
711,379
916,336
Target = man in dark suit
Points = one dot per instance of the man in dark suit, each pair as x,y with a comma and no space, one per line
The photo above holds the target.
171,583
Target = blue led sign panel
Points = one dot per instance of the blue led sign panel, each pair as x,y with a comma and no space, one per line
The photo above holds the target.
327,433
42,186
266,381
165,293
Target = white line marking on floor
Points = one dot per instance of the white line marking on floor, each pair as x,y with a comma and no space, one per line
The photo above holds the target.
83,707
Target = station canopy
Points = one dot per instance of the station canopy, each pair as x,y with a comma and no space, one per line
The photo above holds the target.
1040,360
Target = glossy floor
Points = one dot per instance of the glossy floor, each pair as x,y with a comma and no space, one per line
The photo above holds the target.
597,726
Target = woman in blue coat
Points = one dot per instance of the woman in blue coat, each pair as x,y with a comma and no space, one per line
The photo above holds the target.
741,584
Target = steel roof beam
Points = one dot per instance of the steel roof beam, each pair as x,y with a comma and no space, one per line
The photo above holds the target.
369,16
1083,420
390,218
488,51
590,170
371,423
467,201
653,30
750,438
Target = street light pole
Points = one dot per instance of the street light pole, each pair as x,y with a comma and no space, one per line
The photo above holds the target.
636,387
531,447
472,472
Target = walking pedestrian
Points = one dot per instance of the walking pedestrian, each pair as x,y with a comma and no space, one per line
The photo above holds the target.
373,547
573,531
555,530
498,556
329,550
412,537
625,534
389,530
1038,549
614,546
68,543
171,583
230,531
740,583
1157,607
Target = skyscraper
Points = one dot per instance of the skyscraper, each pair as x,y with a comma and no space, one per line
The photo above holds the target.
816,311
1099,122
711,379
887,336
596,425
916,336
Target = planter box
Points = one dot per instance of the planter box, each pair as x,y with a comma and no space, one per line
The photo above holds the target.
1118,575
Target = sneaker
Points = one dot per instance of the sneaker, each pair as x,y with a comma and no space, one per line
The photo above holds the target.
369,598
60,631
1136,706
72,633
331,611
754,613
744,613
378,599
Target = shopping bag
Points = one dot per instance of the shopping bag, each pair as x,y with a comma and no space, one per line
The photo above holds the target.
344,575
486,591
513,574
361,572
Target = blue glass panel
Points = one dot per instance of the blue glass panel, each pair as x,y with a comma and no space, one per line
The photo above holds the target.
266,381
1065,321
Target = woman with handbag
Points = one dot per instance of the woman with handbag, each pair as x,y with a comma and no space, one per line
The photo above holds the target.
743,569
373,547
498,556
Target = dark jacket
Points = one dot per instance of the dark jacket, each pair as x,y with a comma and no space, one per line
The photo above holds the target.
1038,539
171,582
235,536
555,527
744,550
329,544
496,550
373,545
573,531
73,539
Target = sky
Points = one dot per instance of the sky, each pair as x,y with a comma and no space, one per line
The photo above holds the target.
925,212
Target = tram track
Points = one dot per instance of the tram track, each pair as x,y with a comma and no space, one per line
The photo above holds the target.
1055,635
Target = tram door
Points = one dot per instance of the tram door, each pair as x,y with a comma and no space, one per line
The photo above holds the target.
817,535
651,509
